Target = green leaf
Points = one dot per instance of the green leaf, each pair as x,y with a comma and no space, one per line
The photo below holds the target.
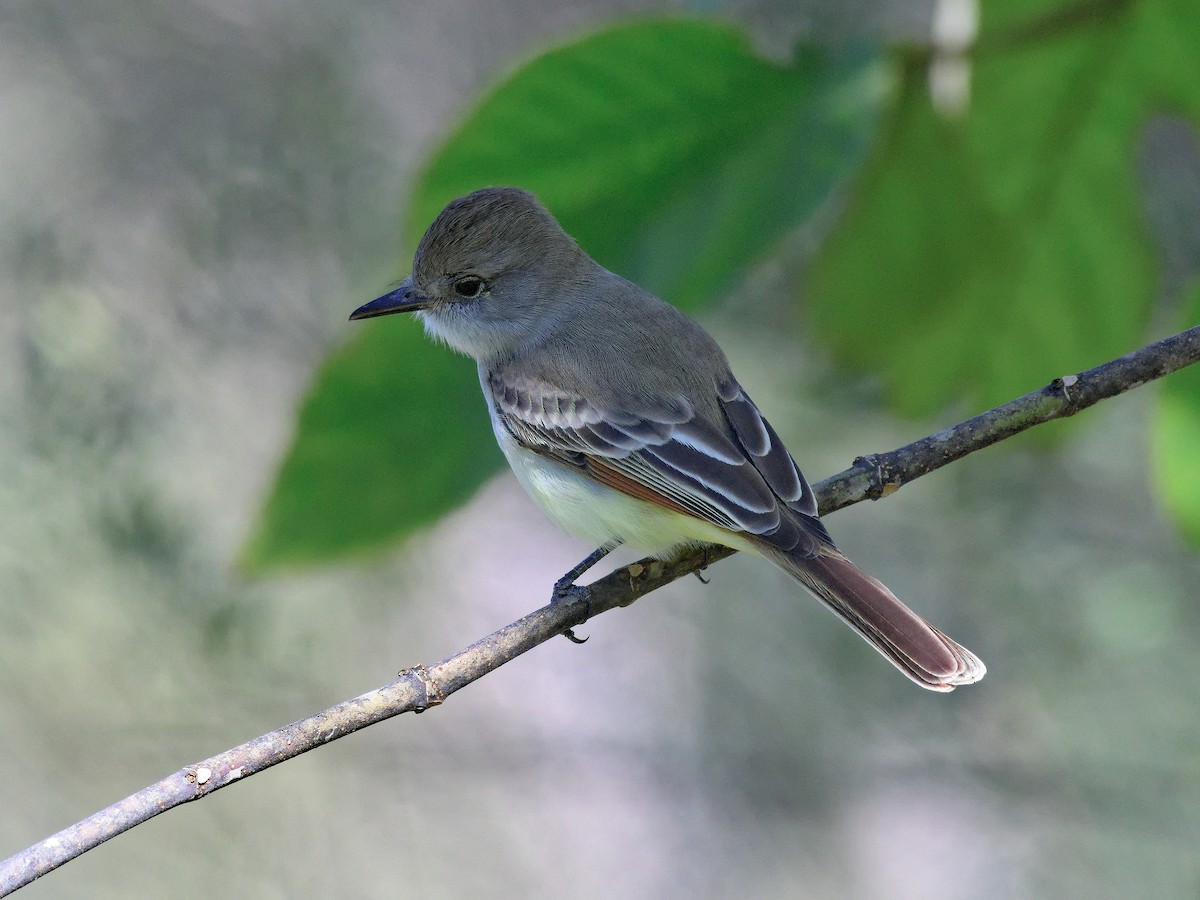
981,255
393,433
671,152
1176,445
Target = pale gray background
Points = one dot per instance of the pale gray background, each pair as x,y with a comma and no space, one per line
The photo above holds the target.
193,196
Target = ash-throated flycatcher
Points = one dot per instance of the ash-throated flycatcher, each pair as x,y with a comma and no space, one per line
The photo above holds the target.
621,417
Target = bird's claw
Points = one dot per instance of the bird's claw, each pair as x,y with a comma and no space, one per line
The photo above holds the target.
563,588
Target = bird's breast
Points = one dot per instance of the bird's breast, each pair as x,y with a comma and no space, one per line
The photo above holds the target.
600,514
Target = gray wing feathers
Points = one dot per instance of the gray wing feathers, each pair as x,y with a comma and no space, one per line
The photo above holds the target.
737,475
766,451
742,478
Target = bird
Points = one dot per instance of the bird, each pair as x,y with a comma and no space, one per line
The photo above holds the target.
620,415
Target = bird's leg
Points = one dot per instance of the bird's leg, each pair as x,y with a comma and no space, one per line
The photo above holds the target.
568,581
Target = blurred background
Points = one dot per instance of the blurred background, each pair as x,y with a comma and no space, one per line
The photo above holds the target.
194,197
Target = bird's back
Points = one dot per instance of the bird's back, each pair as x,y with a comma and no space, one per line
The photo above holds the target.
634,352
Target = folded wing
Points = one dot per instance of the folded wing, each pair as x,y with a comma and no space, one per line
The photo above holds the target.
737,475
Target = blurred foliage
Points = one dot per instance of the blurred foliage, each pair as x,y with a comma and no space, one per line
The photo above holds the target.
394,434
981,253
1177,440
668,149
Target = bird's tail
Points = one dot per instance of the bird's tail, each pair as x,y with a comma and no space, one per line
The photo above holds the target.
913,646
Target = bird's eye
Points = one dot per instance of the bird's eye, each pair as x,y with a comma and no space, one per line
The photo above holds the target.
469,286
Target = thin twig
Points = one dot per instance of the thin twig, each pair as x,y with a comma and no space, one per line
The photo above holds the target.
421,687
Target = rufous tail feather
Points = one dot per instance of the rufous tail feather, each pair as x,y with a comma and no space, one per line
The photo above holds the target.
915,647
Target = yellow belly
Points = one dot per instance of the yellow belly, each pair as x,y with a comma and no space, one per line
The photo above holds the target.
600,514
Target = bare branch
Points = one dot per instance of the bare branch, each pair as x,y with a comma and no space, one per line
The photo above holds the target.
878,475
421,687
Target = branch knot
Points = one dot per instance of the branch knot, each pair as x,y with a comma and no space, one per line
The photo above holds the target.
434,696
881,480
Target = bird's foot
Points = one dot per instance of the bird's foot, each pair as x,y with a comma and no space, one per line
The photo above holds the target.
563,589
699,573
565,586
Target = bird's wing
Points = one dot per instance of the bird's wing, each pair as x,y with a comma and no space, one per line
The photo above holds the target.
740,478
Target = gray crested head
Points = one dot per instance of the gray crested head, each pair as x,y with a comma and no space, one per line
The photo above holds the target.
494,270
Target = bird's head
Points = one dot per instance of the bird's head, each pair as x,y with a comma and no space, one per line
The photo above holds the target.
489,274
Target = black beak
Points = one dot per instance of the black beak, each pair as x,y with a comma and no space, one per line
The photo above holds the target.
403,299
